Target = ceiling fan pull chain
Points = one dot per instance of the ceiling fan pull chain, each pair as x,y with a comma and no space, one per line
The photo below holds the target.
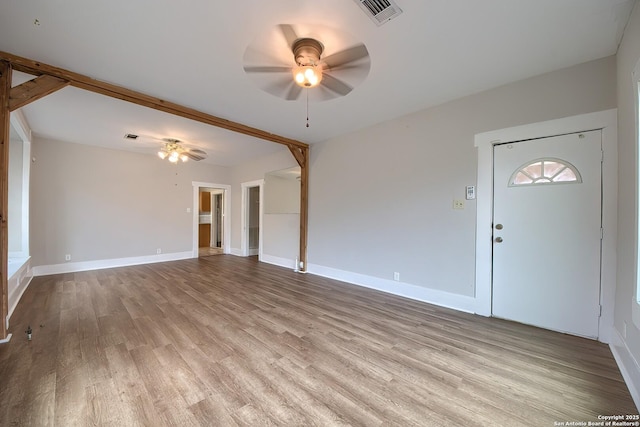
307,107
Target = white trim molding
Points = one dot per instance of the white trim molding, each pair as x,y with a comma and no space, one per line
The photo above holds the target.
627,364
236,252
72,267
607,121
635,88
18,282
407,290
19,124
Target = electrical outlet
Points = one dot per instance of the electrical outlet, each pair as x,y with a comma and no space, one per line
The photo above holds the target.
396,276
188,210
458,204
158,251
67,257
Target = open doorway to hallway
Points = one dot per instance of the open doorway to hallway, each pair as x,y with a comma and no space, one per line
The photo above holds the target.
210,221
252,211
211,228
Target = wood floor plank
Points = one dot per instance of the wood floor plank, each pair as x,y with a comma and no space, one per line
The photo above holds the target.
71,398
41,401
210,412
183,378
228,341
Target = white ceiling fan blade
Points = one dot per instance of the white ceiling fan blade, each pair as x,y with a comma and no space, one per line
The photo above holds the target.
289,34
195,154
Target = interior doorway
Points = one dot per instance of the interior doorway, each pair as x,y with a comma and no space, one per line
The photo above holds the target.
211,228
253,224
252,213
217,228
210,221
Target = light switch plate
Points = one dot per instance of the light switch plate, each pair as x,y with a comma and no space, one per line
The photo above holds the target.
470,192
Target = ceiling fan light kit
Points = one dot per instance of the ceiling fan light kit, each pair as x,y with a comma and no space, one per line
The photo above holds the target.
307,76
174,150
333,75
308,72
173,155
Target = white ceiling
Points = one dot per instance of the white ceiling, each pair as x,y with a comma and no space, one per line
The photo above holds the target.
191,53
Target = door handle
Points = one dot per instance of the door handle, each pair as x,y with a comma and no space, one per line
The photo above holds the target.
499,226
498,239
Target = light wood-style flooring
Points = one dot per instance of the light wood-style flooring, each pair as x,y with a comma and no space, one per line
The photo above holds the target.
206,251
228,341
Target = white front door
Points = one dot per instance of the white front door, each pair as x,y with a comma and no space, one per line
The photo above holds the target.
547,232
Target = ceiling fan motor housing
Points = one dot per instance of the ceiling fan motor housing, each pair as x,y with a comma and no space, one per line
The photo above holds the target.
307,51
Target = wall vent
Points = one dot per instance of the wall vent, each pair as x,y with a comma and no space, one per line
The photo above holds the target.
380,11
130,136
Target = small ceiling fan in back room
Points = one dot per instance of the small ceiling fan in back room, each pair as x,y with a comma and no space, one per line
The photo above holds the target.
172,149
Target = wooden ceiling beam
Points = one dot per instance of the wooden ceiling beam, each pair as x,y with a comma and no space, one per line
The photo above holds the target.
298,153
304,207
5,114
33,90
83,82
302,157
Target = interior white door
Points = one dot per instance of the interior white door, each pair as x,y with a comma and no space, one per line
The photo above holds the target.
547,232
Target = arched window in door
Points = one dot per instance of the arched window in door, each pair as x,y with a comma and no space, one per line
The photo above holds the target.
545,171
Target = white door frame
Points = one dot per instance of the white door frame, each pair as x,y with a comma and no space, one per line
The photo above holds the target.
213,238
605,120
244,217
226,214
212,229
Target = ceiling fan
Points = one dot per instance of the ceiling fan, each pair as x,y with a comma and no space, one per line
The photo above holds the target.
174,149
334,75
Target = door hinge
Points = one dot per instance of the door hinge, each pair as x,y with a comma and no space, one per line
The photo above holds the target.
601,156
601,233
600,312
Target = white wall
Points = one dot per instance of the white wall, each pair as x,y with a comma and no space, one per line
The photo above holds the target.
627,348
281,239
381,198
281,195
15,196
99,204
252,171
281,224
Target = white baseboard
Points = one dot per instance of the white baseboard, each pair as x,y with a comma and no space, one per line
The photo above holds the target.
236,252
18,283
628,365
407,290
6,340
282,262
72,267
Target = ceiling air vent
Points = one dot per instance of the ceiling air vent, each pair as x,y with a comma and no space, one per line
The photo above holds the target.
380,11
130,136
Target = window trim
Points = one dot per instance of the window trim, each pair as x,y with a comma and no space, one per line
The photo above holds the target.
567,165
635,81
